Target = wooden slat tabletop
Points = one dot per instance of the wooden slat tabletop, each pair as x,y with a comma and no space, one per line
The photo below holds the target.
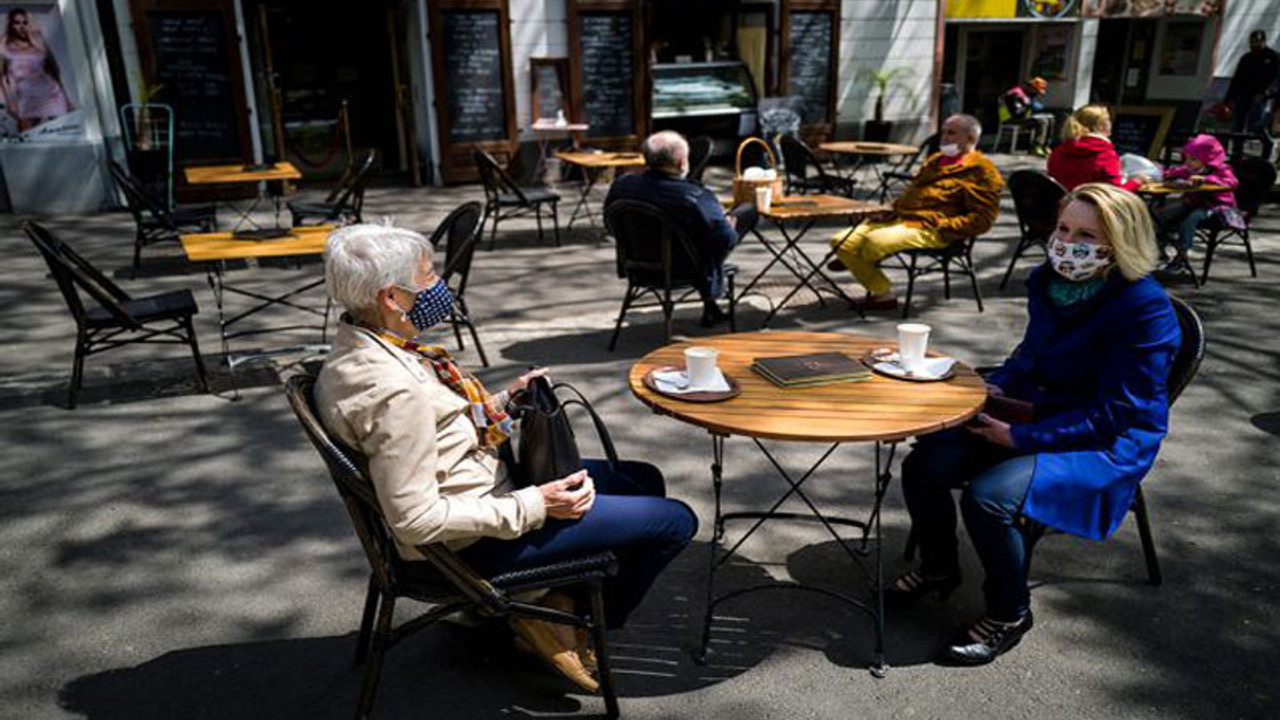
807,207
222,246
1162,189
602,159
212,174
867,148
877,409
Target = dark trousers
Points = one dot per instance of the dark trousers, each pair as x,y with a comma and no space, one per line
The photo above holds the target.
630,518
994,482
1181,217
745,218
1253,116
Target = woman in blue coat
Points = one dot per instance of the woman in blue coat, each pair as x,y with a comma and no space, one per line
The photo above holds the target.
1093,364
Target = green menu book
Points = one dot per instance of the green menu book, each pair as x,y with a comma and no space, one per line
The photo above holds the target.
810,370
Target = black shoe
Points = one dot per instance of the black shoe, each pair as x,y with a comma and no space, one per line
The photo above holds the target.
712,315
912,586
996,638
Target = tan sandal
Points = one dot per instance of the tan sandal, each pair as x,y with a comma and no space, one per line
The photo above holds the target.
537,638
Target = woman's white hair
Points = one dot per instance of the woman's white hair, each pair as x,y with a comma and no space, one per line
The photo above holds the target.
360,260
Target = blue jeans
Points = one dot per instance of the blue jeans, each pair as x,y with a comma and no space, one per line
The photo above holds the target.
995,482
630,518
1253,117
1185,217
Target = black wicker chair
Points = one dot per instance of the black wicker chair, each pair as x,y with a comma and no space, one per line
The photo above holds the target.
656,256
452,586
503,198
1035,198
699,155
153,220
1256,177
459,232
113,318
924,261
798,159
345,203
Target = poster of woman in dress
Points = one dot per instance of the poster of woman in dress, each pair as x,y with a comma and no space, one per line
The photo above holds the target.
37,95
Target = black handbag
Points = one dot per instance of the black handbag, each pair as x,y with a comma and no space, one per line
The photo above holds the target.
547,448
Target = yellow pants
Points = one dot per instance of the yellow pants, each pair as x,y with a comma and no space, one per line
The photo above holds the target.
869,243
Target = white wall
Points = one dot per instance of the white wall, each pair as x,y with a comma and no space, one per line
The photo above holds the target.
538,29
883,34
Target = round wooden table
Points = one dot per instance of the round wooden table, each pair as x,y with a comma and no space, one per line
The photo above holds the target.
1162,189
858,147
880,410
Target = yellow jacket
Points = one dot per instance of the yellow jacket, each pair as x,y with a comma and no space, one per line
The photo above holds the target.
433,480
958,200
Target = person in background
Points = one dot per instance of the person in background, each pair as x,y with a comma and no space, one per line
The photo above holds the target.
1086,154
1023,103
955,195
664,184
1252,87
1092,374
432,434
1204,163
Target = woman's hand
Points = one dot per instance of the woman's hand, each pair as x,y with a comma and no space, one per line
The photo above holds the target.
569,498
994,390
992,430
519,385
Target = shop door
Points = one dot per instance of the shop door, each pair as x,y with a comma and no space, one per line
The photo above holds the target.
992,65
328,102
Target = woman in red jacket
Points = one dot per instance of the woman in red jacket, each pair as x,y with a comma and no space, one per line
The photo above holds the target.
1086,154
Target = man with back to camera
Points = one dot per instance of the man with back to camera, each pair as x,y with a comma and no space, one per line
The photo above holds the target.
1252,87
693,207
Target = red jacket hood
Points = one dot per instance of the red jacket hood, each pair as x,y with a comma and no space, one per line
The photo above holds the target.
1085,147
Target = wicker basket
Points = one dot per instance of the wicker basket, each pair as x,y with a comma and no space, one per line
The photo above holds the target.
744,191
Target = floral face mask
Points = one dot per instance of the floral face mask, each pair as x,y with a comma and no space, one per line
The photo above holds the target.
1079,261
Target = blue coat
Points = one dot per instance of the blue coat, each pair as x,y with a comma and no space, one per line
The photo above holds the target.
1098,380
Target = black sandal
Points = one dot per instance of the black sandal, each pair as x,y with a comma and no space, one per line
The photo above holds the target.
913,585
987,639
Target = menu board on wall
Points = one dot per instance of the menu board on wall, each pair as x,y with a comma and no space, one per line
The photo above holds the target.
608,85
809,70
473,71
1141,130
549,90
194,72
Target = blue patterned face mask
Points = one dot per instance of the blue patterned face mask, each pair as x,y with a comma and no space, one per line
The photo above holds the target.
431,305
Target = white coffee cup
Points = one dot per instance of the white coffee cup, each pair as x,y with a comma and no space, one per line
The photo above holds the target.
764,198
700,366
913,340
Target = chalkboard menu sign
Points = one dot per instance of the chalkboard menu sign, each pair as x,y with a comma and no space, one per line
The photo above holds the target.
607,81
549,89
191,65
809,73
1140,130
473,71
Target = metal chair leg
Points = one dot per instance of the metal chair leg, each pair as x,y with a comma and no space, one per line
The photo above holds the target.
1148,543
201,374
77,372
1013,262
555,223
946,278
493,234
911,286
622,314
973,281
537,216
366,620
602,653
1248,252
733,307
1210,246
373,668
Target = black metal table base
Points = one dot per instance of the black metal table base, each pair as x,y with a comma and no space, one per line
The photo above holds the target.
870,531
813,277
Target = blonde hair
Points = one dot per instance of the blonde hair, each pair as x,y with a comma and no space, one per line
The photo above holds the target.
1126,222
1084,121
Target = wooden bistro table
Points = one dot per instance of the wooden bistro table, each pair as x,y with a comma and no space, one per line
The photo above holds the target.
860,151
1156,194
215,250
595,164
233,174
882,411
807,210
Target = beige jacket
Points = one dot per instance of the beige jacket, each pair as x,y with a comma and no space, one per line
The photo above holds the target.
434,481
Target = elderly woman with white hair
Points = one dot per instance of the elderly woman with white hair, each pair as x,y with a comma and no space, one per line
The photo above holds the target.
432,432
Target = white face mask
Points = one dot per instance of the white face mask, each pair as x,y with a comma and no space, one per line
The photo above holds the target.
950,149
1078,261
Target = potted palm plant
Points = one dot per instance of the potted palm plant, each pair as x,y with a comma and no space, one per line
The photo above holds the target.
878,129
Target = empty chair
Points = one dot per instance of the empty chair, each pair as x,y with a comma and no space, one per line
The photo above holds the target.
345,203
460,232
111,318
923,261
1256,177
805,173
505,199
153,219
1035,199
457,588
656,256
699,155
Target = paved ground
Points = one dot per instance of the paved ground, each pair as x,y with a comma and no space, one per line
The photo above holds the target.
176,555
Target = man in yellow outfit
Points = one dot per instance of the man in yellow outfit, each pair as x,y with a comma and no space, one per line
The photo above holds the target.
955,195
